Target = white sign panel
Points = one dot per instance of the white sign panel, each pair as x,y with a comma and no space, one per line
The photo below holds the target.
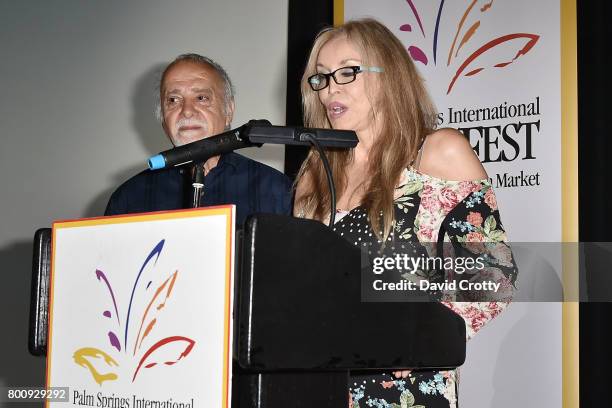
493,69
140,310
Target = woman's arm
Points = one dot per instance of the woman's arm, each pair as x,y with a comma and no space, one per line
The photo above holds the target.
473,227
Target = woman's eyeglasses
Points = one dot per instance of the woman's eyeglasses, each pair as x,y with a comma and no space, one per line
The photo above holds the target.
342,76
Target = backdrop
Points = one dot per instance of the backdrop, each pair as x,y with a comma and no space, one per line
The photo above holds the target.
77,116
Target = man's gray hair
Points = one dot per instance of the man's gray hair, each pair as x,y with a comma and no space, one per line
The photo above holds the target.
198,59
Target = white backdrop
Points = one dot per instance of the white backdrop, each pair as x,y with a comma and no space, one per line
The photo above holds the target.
77,113
502,53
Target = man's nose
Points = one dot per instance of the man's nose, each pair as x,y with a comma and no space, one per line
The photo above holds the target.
187,109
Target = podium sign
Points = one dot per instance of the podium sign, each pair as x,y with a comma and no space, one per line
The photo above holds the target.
140,309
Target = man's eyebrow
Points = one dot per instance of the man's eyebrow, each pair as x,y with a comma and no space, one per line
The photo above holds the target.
177,90
170,91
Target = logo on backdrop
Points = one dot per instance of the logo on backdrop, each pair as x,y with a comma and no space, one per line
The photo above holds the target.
164,352
476,62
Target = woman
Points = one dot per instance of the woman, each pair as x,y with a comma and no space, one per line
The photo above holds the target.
404,182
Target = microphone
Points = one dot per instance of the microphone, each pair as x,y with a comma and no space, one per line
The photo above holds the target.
295,135
202,150
253,133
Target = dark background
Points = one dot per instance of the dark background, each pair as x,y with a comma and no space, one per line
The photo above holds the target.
594,34
306,19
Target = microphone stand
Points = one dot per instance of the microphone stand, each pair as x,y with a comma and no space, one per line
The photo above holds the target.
197,192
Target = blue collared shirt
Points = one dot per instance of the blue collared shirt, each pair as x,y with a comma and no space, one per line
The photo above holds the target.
252,186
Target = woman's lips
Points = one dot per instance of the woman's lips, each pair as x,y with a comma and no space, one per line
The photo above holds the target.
336,109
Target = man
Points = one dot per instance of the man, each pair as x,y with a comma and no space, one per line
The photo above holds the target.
197,101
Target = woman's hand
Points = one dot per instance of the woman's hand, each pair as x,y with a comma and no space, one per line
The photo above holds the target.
401,374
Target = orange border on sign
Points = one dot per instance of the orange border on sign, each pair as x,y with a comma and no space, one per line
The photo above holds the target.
227,210
229,252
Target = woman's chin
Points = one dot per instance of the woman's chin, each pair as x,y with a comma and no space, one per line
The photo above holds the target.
339,124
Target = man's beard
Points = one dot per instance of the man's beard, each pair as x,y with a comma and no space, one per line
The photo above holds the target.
179,140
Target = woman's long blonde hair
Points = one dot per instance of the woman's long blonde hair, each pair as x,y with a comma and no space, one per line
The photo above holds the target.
407,116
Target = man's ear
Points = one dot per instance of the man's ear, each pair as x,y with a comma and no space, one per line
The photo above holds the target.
229,116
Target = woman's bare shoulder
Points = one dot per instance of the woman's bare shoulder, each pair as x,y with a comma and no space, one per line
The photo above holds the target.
447,155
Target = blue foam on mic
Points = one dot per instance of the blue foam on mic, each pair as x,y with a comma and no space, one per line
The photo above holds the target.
157,162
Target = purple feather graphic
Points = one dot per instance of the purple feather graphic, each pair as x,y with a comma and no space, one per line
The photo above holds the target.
416,14
114,341
417,54
100,274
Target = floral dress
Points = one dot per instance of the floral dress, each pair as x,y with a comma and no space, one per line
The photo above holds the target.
466,213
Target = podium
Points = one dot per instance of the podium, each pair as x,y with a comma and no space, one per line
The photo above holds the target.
299,321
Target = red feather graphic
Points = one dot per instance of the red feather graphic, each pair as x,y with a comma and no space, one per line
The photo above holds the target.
160,344
532,40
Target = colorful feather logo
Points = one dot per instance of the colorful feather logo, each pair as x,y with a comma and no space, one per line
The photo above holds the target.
165,352
467,27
